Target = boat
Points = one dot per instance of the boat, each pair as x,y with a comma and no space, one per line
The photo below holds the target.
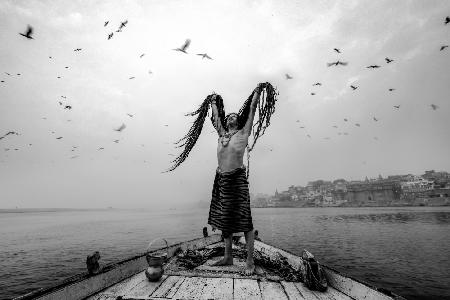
127,279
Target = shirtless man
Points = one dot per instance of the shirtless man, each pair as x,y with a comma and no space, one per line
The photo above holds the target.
230,204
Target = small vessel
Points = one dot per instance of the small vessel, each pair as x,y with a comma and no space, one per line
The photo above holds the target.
199,279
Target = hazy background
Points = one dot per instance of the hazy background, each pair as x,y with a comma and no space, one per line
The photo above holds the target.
250,42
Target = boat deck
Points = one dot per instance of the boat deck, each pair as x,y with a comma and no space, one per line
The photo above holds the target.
213,282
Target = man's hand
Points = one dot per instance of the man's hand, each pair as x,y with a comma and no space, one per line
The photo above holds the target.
213,98
260,87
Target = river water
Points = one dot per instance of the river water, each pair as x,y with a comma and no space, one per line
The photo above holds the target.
406,250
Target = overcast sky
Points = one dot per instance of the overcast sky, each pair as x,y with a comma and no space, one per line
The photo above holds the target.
250,42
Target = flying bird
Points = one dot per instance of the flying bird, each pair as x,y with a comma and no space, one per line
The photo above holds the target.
2,81
373,67
335,126
345,120
434,106
68,107
150,72
119,30
313,94
308,135
66,67
122,127
184,47
353,87
337,63
60,103
101,148
302,127
397,106
116,141
204,55
388,60
288,76
317,83
130,115
447,20
28,33
390,90
375,119
142,55
337,50
110,35
123,24
63,97
357,124
106,23
11,132
443,47
132,77
58,138
78,49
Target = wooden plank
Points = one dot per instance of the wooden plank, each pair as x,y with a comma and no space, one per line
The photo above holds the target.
335,294
272,290
306,293
218,288
168,288
246,289
145,288
191,288
102,297
124,286
353,288
292,291
200,273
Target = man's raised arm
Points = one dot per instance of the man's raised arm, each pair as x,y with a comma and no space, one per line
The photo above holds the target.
215,112
249,123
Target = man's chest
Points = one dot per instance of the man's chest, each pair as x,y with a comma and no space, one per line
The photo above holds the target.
235,143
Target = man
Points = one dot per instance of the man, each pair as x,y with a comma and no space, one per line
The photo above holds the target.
230,203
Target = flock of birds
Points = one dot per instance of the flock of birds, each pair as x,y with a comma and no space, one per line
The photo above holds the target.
28,34
354,87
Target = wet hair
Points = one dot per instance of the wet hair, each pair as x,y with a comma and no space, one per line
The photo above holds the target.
266,109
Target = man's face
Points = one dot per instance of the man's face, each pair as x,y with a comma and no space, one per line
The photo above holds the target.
232,121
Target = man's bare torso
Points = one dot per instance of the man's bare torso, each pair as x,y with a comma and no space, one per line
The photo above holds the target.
231,156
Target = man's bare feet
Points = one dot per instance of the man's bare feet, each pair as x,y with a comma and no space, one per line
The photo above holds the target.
249,268
224,262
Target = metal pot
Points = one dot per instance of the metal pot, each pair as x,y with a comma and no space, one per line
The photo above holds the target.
155,262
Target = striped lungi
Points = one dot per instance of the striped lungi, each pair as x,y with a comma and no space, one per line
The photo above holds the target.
230,203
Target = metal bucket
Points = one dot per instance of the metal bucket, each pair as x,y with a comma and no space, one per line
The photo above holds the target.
155,262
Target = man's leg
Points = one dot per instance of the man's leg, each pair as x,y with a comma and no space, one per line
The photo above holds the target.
228,258
249,241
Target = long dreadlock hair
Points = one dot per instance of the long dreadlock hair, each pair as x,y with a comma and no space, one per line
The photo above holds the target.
266,107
